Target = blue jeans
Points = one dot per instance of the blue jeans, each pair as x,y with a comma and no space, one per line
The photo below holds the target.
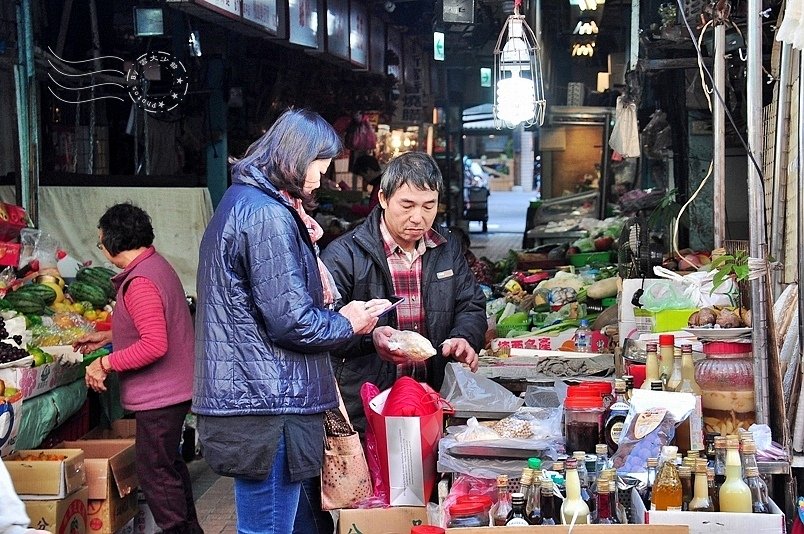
274,505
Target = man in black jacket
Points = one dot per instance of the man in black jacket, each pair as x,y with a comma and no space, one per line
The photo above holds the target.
397,252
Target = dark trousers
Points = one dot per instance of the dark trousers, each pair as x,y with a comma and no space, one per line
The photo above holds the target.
163,475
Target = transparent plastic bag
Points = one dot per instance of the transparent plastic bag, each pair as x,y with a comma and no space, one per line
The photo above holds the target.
665,295
467,391
476,432
650,425
38,245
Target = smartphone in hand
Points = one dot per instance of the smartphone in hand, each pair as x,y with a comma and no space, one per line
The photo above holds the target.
395,301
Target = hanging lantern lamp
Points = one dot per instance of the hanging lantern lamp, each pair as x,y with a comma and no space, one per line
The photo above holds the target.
518,83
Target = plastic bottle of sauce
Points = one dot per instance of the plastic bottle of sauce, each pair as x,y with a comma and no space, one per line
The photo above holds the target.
674,380
735,495
651,365
700,501
685,439
666,342
574,510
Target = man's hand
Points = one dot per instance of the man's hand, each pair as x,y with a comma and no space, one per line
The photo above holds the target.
459,350
381,337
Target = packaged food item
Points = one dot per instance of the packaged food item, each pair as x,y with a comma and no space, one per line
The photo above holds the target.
650,425
417,347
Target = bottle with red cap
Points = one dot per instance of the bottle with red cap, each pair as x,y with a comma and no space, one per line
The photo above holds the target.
666,344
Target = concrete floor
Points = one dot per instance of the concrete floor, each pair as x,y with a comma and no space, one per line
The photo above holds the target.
214,495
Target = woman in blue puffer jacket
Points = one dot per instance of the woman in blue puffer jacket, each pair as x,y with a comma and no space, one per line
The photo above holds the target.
264,327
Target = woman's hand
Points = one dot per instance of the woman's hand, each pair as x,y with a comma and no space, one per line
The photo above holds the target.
360,317
96,376
93,341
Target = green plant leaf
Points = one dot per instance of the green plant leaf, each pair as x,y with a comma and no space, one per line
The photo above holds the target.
741,271
721,261
718,280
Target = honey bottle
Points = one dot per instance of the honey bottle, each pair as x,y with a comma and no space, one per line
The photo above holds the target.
667,494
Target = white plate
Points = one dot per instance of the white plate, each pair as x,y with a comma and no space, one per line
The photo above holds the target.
719,333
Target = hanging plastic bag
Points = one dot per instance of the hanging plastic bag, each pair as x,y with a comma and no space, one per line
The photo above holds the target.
360,134
625,134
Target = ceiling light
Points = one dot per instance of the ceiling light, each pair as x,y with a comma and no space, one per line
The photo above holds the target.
585,28
519,88
389,6
583,49
587,5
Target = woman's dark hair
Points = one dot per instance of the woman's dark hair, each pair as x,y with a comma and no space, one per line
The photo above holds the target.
125,227
284,152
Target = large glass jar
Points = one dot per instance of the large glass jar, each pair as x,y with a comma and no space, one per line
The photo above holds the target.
583,422
726,378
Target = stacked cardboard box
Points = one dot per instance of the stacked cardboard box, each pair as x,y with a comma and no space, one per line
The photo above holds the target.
112,483
52,484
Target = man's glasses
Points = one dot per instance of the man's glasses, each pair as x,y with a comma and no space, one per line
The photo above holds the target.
99,245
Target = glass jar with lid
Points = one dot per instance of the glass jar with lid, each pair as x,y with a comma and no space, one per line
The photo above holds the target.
469,513
726,379
583,422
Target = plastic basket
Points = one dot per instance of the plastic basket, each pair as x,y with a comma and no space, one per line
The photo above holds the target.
662,321
589,258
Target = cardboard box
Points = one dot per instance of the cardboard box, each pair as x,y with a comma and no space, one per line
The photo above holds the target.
712,522
33,381
396,520
112,482
120,429
47,479
579,529
60,516
10,417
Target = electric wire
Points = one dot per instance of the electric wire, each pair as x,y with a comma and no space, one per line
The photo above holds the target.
720,96
756,265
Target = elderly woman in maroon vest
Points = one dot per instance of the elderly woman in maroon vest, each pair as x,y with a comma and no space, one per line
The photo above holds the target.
152,336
